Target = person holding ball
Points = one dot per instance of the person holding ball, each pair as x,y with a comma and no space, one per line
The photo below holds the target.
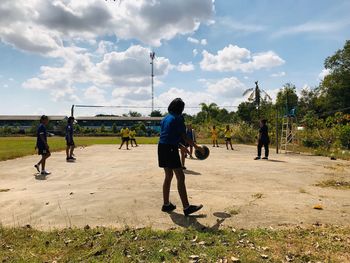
173,129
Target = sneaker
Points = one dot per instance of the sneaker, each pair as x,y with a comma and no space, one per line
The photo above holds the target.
192,209
184,168
45,173
37,168
257,158
72,158
265,158
168,208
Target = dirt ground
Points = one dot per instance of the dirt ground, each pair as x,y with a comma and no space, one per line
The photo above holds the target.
112,187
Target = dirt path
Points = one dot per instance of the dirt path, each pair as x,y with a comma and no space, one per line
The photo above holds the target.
112,187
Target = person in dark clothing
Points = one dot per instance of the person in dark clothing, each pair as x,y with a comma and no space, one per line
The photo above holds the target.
173,131
42,146
263,140
69,140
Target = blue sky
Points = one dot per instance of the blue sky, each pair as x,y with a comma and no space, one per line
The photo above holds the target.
58,53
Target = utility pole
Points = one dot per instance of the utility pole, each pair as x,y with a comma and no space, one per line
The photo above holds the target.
152,56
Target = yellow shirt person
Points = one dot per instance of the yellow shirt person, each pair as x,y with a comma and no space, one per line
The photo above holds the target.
132,134
125,132
214,136
228,133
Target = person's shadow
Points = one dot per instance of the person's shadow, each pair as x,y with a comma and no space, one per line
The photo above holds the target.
40,177
191,221
191,172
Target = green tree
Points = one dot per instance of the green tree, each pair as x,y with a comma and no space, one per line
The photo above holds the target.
287,98
210,110
335,87
247,112
156,113
134,114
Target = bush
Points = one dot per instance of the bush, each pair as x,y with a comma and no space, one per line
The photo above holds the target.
344,136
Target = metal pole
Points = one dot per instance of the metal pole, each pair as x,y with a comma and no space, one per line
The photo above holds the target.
152,56
72,111
276,130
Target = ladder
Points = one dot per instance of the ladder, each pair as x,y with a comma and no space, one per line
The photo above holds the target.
289,138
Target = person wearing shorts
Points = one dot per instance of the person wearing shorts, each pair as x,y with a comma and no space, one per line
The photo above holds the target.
125,133
172,131
69,140
132,138
42,146
228,137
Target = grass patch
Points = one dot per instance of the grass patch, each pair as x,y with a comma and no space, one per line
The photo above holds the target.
14,147
233,211
336,184
325,244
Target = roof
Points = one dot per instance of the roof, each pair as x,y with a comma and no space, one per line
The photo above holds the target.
29,117
82,118
114,118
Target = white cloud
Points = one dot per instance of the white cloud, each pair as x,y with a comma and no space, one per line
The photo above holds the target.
323,74
185,67
43,26
204,42
226,87
245,27
312,27
195,52
197,41
234,58
95,94
278,74
129,68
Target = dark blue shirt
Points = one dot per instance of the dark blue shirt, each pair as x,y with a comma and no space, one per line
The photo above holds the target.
172,127
41,132
69,132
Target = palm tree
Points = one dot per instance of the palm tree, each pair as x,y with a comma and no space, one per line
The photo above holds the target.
209,109
255,95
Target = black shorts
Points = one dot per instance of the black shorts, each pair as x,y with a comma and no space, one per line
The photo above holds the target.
70,143
43,151
168,156
228,139
125,139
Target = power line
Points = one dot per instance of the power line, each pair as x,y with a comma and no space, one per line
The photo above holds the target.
144,107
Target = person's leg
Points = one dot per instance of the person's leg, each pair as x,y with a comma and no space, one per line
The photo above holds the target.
166,185
231,144
71,151
259,148
127,144
131,142
181,187
226,141
183,157
213,142
43,163
67,151
135,142
217,144
191,151
266,147
121,145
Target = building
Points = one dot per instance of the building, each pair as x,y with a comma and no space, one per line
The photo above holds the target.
25,122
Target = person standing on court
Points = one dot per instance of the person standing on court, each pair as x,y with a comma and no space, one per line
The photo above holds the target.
69,140
125,133
42,146
173,129
263,140
190,133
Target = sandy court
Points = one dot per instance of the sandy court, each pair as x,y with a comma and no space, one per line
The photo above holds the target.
112,187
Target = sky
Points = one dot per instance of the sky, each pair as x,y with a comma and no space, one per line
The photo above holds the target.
55,53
